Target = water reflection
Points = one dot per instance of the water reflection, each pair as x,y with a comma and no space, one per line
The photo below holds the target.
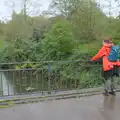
18,82
6,86
108,107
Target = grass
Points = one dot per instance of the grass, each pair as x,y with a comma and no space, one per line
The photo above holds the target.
2,44
88,48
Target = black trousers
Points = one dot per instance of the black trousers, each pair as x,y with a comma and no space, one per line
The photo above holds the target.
111,73
109,78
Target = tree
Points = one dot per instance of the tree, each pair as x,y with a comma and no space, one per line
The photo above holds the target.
118,2
40,25
82,14
10,4
59,42
32,27
17,28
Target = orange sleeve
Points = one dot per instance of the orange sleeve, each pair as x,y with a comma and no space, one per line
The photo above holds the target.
100,54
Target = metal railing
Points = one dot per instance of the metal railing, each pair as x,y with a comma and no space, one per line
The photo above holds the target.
48,76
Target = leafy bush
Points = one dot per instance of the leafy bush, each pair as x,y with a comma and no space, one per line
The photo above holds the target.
59,43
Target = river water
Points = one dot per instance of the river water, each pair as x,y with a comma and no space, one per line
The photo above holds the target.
18,82
6,85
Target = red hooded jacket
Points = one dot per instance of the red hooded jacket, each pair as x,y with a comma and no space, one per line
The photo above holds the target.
104,52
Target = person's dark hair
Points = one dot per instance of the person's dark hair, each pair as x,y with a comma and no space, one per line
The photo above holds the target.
108,40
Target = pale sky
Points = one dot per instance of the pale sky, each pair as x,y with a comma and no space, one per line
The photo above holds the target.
36,6
114,7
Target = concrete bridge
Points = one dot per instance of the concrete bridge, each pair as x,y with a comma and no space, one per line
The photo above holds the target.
47,96
97,107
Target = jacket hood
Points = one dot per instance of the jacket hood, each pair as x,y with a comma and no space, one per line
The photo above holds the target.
108,45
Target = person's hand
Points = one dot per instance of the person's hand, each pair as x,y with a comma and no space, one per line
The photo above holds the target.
91,61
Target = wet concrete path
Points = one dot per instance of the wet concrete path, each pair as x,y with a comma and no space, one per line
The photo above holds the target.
87,108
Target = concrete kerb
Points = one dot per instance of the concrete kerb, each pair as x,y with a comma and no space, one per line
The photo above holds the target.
9,101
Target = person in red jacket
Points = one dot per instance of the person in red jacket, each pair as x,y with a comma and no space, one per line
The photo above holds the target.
110,69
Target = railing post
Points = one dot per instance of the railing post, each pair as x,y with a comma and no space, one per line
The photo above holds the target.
8,84
49,82
1,84
56,80
13,82
37,81
42,80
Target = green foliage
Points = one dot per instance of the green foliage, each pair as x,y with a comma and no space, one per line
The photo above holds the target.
59,42
21,28
19,50
17,28
73,35
40,25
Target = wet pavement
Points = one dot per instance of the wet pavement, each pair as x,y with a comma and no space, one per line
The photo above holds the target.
87,108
